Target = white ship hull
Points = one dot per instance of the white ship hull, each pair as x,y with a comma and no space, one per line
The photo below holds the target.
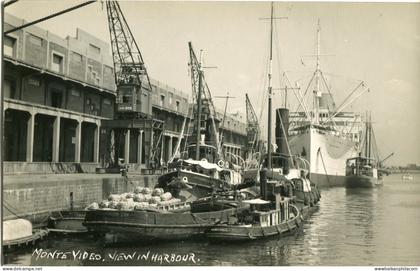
326,152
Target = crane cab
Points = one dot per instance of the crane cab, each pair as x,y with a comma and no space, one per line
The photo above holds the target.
133,98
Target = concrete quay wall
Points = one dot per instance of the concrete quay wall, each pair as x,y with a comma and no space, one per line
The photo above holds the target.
34,197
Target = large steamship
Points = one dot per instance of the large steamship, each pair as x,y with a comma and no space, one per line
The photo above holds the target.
323,133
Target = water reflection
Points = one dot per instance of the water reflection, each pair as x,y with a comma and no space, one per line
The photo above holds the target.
351,227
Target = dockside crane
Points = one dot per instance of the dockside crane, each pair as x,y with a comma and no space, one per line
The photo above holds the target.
252,128
203,109
134,97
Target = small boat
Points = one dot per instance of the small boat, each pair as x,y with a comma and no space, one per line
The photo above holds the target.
363,171
67,221
19,233
127,217
407,176
131,225
260,221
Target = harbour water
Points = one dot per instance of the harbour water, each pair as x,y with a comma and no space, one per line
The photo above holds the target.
351,227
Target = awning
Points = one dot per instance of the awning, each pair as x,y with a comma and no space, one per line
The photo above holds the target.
256,201
204,164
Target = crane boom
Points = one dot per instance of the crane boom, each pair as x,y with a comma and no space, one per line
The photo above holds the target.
128,61
386,158
134,97
253,127
204,104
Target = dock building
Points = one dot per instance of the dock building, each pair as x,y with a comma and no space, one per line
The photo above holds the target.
59,92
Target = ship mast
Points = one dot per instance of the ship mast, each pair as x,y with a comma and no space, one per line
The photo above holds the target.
317,92
200,86
270,90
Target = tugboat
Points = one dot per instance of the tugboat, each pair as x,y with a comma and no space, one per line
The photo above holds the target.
271,215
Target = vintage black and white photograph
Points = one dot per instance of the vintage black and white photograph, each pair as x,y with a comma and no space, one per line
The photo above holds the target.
210,133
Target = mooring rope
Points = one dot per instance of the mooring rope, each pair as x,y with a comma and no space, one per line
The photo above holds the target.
323,164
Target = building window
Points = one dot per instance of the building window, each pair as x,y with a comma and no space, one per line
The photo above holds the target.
35,40
93,75
9,47
56,99
125,99
94,49
9,88
75,92
171,95
57,63
34,81
162,100
107,101
77,57
177,105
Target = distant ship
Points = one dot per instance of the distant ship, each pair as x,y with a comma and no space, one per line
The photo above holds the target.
323,133
363,171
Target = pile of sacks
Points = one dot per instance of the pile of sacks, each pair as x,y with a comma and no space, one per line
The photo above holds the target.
142,198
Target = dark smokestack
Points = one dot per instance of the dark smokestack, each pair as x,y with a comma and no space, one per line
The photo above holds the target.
282,116
263,183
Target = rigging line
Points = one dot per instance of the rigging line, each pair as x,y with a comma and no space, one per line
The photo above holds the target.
323,164
302,102
263,75
307,88
285,136
363,142
374,142
350,94
276,38
218,142
48,17
341,76
326,85
346,102
265,80
8,207
347,130
9,3
333,122
178,144
190,116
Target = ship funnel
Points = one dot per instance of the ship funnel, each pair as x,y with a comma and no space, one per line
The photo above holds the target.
282,128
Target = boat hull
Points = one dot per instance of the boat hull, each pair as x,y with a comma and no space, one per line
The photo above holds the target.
362,182
12,245
67,222
244,233
143,225
327,154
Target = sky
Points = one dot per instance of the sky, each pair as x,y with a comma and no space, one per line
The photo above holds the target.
378,43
